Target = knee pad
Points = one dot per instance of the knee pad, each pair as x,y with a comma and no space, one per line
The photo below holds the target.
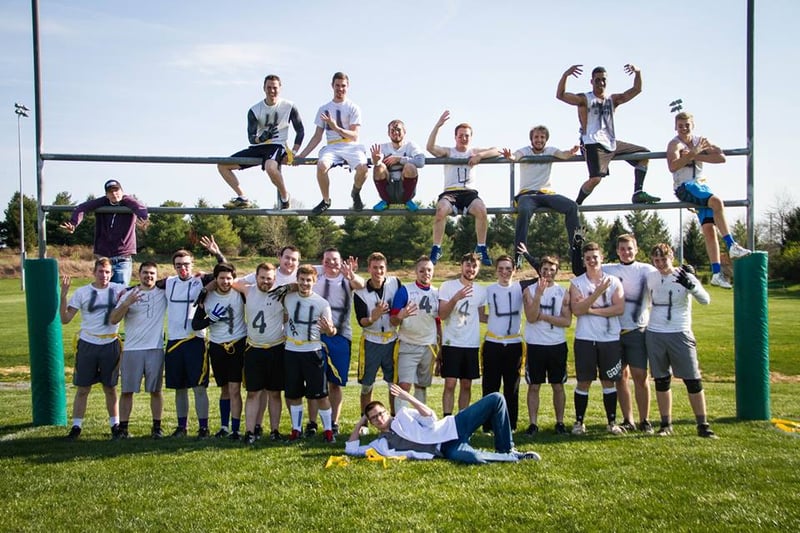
662,384
693,386
366,389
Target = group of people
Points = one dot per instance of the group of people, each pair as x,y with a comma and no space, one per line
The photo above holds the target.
395,164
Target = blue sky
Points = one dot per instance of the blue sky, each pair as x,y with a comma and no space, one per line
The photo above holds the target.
177,78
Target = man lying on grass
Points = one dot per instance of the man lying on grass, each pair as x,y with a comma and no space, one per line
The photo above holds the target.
417,434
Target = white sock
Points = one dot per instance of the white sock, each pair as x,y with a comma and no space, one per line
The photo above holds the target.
296,412
113,421
325,415
77,422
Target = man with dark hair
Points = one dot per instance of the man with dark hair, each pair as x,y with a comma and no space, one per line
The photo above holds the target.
98,349
396,167
143,308
598,138
114,233
340,120
268,132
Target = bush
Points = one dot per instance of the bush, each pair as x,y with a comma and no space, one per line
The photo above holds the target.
787,264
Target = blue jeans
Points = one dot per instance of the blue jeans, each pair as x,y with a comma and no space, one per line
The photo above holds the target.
489,409
121,270
529,202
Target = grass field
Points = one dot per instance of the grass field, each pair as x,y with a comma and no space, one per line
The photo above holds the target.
746,480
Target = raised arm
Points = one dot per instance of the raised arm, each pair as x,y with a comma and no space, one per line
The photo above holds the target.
634,91
423,409
67,313
561,90
437,151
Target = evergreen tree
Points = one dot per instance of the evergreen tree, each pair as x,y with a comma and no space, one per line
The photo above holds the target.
548,236
167,231
501,233
220,226
261,235
694,245
306,237
11,226
650,229
610,243
463,238
56,235
84,233
791,234
361,237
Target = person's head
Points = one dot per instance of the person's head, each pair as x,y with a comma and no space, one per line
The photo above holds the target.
397,131
684,124
224,274
332,262
288,259
102,272
113,190
182,260
470,266
265,276
272,87
662,256
424,270
592,256
599,80
340,84
627,248
306,278
377,415
148,273
548,268
539,136
463,133
376,266
504,269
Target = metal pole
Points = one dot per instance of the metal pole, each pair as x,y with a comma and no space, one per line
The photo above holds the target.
37,106
21,111
751,208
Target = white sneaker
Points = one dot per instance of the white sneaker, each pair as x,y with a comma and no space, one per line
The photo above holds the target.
363,431
578,428
615,429
737,250
719,280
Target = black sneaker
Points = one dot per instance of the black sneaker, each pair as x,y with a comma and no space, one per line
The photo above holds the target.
311,429
249,438
258,432
275,436
222,433
561,429
321,207
628,426
203,433
704,431
358,204
179,432
532,430
665,431
328,436
335,429
285,204
234,436
238,202
157,433
116,433
641,197
646,427
74,433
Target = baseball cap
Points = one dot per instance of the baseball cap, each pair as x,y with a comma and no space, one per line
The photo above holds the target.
110,184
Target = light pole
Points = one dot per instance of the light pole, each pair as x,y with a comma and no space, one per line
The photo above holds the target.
21,111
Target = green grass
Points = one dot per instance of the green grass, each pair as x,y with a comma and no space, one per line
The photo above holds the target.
746,480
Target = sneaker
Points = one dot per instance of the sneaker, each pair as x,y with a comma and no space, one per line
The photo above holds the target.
249,438
363,431
737,251
234,436
641,197
412,206
578,428
436,254
295,435
704,431
358,204
646,427
485,259
203,433
222,433
532,430
275,436
239,202
579,237
311,429
258,432
665,431
74,433
380,206
285,204
116,433
525,456
719,280
627,426
561,429
157,433
321,207
335,429
614,429
179,432
327,436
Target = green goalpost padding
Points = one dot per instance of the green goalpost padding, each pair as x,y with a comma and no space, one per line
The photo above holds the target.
751,335
46,348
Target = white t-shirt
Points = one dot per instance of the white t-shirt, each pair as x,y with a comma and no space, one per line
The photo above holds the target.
181,295
231,326
302,329
95,306
144,320
264,318
419,329
593,327
532,176
634,285
599,122
541,332
381,331
459,177
671,303
505,313
346,115
462,327
337,292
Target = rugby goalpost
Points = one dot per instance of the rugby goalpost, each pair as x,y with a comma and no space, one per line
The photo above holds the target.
48,387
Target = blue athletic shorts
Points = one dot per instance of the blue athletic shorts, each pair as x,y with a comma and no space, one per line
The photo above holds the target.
698,194
338,366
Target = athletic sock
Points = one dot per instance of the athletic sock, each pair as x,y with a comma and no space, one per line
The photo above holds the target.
582,195
156,424
77,422
325,415
383,191
183,421
123,425
409,188
666,421
716,268
296,412
728,240
610,404
638,178
581,400
202,422
235,424
224,412
113,421
701,419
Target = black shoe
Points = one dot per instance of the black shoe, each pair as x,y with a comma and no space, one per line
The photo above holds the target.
275,436
641,197
234,436
321,207
258,432
116,433
249,438
628,426
74,433
203,433
532,430
311,429
335,429
704,431
561,429
222,433
157,433
358,204
179,432
285,204
646,427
